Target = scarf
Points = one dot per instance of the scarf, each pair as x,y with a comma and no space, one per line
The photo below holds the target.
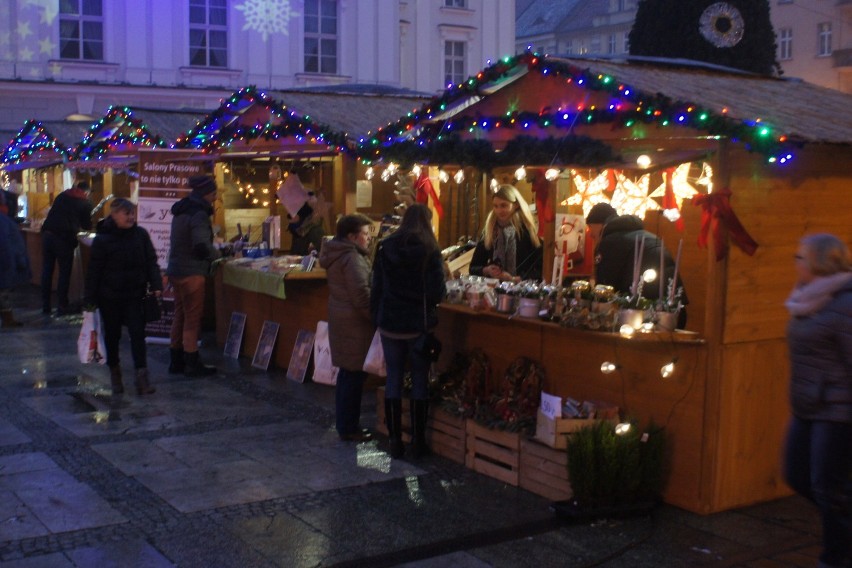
506,246
810,298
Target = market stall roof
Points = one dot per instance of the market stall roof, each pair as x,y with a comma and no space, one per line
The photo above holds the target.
563,96
116,138
302,122
40,144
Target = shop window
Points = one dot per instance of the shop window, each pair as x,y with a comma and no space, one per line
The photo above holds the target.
454,62
785,44
81,30
208,33
321,36
824,35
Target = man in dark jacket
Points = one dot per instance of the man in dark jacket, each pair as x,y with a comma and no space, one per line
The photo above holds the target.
190,259
615,239
70,213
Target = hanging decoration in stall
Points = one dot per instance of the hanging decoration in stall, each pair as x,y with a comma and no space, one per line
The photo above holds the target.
718,217
426,194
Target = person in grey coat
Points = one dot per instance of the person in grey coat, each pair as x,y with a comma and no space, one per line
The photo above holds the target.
818,462
350,327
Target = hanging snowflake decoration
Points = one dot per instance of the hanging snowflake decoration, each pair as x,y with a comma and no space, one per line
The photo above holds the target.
680,186
589,191
722,25
267,16
631,197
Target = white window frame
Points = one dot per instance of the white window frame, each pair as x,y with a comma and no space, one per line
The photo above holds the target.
785,44
85,23
326,56
612,44
451,74
626,46
824,39
455,3
215,57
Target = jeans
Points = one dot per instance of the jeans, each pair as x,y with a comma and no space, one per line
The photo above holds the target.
115,314
397,353
189,309
818,466
347,401
55,250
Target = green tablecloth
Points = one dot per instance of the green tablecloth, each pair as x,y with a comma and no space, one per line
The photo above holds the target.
269,283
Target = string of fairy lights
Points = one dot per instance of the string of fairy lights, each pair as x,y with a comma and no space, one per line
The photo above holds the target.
123,130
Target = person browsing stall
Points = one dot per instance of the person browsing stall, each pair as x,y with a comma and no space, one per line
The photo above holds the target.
509,247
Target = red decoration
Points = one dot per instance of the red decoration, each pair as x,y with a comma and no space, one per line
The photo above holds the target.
669,201
541,187
718,215
424,190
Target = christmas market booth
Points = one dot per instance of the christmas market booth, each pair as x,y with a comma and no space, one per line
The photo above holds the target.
730,169
284,176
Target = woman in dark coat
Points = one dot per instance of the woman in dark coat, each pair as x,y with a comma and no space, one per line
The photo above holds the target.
14,266
819,442
350,328
408,283
122,265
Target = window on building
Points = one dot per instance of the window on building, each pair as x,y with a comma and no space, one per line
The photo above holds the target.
611,44
321,36
208,33
454,62
569,47
824,35
785,44
596,44
626,42
81,30
455,3
785,1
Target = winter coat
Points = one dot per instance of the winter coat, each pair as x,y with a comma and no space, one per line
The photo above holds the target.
122,263
350,328
14,262
528,257
403,274
70,213
191,251
820,348
614,257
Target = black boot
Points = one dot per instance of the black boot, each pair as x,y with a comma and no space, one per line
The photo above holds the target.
176,364
115,379
193,367
419,415
143,386
393,416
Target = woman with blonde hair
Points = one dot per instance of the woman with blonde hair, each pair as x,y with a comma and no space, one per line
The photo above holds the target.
510,246
818,462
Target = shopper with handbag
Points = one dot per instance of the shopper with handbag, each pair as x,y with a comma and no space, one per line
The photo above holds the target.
350,329
122,268
408,283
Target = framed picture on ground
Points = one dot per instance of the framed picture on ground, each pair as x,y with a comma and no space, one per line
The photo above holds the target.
235,335
265,345
301,357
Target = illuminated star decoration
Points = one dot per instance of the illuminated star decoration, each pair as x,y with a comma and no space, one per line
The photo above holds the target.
24,30
55,68
589,191
706,177
51,9
45,46
680,188
631,197
267,16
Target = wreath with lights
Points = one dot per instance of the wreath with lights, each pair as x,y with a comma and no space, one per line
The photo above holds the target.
722,25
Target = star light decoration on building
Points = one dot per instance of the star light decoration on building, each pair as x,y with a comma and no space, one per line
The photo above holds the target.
267,16
631,196
589,191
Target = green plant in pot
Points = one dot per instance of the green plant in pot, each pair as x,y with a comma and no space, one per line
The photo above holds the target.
614,471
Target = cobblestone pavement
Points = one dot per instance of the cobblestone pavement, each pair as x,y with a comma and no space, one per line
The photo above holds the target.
244,469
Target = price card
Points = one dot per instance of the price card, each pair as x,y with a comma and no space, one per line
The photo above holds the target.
551,406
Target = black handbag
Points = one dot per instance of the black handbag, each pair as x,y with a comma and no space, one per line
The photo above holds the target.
428,345
151,307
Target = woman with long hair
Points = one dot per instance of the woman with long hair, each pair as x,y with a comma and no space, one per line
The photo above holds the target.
407,285
510,246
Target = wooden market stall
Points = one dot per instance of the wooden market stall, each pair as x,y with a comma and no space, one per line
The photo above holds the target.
722,148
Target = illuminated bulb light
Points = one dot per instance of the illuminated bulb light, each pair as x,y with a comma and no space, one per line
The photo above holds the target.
416,170
672,214
266,204
386,174
551,174
443,176
521,173
626,330
459,177
608,367
392,168
647,327
369,173
667,370
649,276
622,428
494,185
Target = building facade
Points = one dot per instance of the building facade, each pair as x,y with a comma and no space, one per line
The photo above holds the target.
74,58
813,37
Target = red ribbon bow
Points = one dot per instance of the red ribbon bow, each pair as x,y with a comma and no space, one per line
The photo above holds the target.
424,190
718,215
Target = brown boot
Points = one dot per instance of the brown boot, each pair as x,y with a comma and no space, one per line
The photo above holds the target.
115,380
8,319
142,385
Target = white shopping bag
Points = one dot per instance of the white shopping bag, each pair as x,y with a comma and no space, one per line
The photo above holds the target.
90,342
375,361
324,372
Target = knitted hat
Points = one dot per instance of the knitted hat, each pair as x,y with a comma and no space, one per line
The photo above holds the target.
599,213
202,185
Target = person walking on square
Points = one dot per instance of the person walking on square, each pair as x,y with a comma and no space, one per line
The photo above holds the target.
122,267
350,328
14,267
191,256
70,213
408,283
818,461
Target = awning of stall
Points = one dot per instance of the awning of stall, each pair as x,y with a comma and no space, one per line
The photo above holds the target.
114,140
295,124
41,144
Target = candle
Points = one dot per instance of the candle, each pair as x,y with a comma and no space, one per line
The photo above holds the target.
639,265
633,281
676,268
557,260
661,275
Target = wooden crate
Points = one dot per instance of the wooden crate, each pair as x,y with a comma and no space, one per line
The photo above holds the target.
446,434
493,452
544,471
381,425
